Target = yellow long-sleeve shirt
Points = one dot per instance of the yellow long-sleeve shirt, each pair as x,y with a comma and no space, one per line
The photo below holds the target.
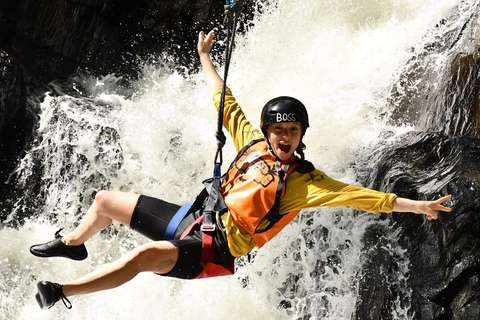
314,189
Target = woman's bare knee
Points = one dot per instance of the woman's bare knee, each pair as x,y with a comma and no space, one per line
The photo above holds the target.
116,205
103,199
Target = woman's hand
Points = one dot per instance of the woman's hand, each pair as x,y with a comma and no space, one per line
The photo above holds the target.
428,208
205,44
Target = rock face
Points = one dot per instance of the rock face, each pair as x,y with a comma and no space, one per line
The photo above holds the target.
52,39
45,40
444,159
443,254
15,121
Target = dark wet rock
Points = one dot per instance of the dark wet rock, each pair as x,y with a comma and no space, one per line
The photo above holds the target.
443,254
442,157
377,290
43,41
16,114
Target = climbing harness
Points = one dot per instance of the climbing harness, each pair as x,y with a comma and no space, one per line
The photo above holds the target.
177,218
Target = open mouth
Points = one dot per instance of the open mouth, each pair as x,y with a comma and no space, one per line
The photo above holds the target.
284,147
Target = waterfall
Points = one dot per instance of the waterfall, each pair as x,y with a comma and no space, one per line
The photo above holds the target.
342,59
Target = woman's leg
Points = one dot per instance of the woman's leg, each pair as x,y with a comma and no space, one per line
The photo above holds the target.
159,257
107,206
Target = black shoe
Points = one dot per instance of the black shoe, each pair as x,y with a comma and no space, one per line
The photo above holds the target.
49,293
56,248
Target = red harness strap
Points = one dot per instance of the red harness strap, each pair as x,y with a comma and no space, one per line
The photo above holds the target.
207,260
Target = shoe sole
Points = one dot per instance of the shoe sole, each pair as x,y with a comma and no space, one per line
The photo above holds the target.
44,255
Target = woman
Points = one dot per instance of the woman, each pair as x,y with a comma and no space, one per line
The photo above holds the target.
263,190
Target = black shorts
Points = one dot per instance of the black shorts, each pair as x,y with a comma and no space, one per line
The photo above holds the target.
151,218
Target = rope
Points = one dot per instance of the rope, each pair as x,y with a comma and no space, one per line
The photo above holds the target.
231,17
215,200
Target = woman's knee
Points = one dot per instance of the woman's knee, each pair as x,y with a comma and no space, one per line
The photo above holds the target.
103,198
116,205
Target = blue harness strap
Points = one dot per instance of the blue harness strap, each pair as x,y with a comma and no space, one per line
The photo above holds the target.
177,218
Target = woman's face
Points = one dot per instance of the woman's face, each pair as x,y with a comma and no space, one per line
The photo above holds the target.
284,138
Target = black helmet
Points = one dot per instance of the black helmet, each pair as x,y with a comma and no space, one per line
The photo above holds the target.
284,109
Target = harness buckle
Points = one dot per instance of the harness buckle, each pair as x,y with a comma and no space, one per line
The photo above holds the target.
207,227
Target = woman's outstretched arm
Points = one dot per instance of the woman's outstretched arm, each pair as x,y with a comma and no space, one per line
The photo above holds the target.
429,208
205,44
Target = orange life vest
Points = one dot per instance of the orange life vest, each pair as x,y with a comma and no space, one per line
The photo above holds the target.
250,189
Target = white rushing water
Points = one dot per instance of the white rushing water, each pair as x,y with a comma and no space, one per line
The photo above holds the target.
338,57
